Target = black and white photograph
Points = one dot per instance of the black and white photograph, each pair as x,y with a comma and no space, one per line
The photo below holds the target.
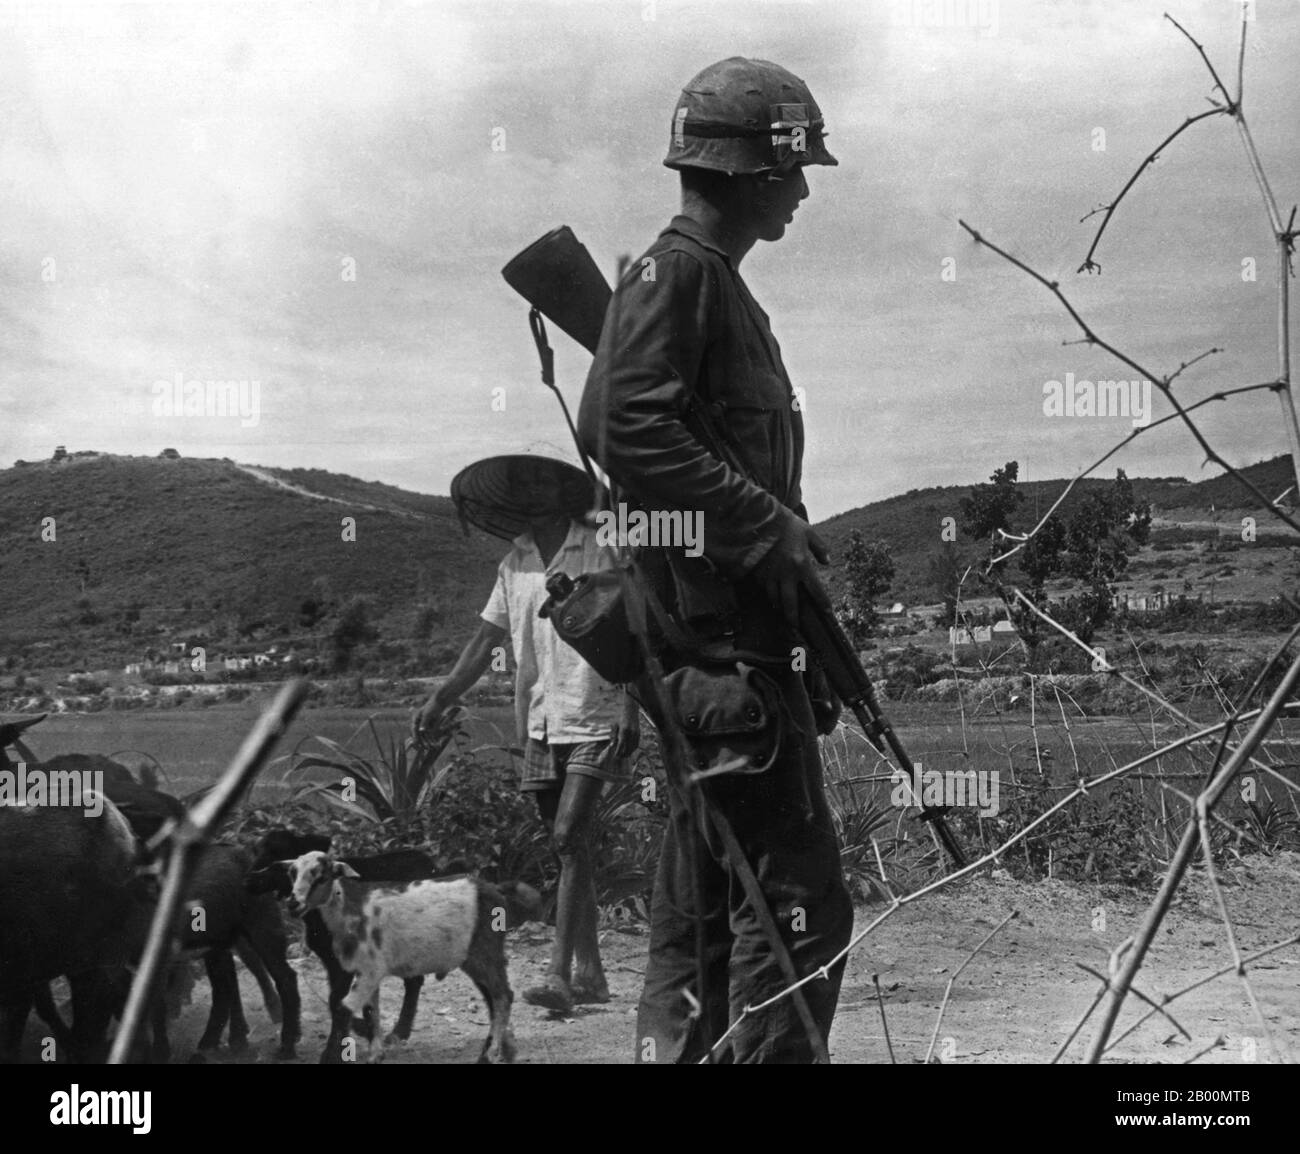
649,532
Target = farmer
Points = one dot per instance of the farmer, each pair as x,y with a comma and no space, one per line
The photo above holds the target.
578,730
685,346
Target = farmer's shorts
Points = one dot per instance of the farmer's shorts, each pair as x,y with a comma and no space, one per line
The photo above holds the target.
545,764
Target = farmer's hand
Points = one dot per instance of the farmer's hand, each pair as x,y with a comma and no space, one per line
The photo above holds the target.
791,564
425,719
625,736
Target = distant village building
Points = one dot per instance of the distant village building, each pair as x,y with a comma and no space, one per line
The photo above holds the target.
977,634
1127,601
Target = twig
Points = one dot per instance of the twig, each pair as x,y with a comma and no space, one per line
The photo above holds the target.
880,1001
1023,539
1160,383
1090,265
1293,940
1124,677
1182,858
1211,877
1159,1009
1215,1045
947,993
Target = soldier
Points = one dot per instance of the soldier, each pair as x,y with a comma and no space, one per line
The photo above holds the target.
688,407
578,730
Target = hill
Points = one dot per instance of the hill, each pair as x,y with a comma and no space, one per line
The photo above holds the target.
1182,511
104,557
143,551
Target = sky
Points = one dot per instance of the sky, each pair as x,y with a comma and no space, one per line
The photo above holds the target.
319,198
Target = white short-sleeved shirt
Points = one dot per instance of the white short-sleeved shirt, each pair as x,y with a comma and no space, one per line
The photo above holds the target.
558,696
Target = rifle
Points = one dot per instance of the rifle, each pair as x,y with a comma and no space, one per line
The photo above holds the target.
558,278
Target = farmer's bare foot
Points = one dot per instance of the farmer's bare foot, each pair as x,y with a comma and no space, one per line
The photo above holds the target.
552,993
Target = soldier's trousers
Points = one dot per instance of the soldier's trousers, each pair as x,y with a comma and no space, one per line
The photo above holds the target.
782,822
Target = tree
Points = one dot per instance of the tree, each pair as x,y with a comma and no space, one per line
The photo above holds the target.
868,571
353,628
1093,546
945,575
426,617
992,506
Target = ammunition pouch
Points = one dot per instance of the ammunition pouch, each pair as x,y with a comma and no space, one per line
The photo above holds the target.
732,717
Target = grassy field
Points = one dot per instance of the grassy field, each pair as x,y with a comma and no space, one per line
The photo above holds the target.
194,746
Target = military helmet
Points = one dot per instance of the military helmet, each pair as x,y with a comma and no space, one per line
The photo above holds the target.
746,116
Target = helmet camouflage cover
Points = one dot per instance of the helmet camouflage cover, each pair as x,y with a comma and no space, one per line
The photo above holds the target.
746,116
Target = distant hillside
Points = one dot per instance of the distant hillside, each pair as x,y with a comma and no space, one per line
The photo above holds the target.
148,550
912,523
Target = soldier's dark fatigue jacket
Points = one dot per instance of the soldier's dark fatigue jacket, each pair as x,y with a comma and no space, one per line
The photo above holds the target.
684,331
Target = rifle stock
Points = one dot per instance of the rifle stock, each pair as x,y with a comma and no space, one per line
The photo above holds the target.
557,276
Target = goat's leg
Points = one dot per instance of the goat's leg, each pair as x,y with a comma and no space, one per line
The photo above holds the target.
266,937
220,967
160,1045
321,943
43,1003
363,1001
14,1010
247,953
239,1031
376,1054
93,1003
410,1003
489,975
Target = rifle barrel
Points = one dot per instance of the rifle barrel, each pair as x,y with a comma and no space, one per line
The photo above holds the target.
852,685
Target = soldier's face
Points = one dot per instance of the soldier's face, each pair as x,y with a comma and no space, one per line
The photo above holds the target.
776,201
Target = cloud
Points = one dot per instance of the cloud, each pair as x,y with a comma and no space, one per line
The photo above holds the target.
310,195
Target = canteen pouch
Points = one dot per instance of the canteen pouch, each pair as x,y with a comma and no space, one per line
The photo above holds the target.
590,615
732,716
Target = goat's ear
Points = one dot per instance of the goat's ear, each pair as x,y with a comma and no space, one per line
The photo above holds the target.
343,870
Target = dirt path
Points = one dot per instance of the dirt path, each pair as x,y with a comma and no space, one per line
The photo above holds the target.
1014,1003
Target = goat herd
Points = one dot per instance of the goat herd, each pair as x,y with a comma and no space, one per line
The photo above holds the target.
78,891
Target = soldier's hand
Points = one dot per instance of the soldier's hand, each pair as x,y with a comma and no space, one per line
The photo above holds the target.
791,565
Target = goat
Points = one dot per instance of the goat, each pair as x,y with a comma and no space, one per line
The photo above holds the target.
232,919
270,874
71,904
412,928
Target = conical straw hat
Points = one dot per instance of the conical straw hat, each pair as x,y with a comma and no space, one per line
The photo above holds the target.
489,493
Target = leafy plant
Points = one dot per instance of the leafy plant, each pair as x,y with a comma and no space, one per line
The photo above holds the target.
396,783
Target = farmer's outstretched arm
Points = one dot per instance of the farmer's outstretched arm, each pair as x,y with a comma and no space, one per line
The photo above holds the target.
472,663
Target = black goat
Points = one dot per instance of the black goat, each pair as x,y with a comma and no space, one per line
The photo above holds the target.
270,874
72,904
232,918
